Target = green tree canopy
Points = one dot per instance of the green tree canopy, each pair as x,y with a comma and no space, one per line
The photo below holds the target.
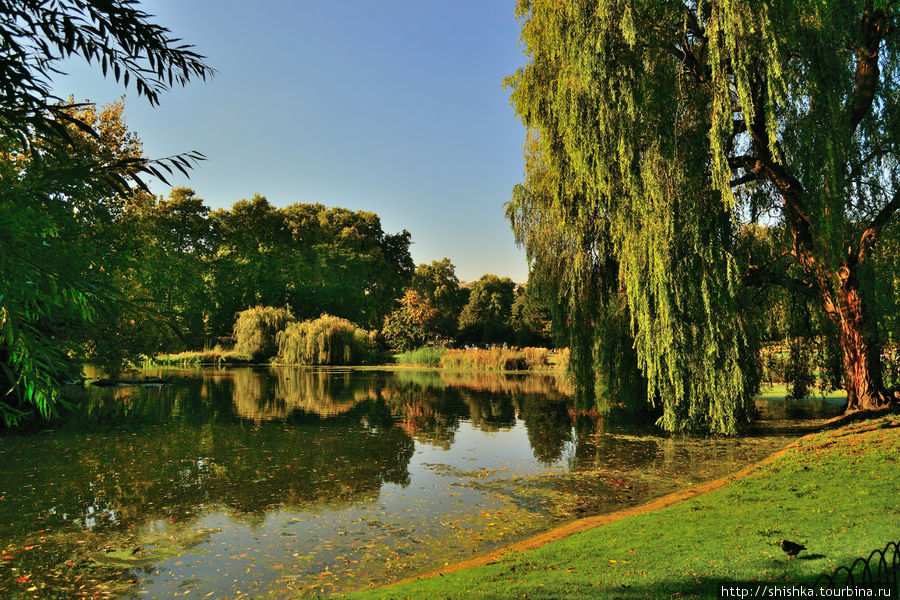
310,257
530,318
438,283
660,130
175,240
484,319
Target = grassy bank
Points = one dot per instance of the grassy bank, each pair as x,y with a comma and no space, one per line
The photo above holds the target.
834,492
486,359
215,356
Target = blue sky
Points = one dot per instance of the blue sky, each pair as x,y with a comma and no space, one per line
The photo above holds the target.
395,107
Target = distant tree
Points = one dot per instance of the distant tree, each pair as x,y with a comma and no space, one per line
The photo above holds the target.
359,269
484,319
412,325
310,257
253,262
176,241
530,318
438,283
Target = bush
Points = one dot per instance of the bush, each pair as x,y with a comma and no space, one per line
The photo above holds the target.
327,340
536,358
256,328
428,356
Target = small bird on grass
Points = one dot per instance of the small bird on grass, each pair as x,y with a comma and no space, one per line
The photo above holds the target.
791,548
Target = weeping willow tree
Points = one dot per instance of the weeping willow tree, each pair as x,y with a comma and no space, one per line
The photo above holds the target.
578,268
663,129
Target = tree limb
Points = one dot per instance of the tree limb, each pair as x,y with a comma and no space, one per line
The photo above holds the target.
745,178
758,276
870,235
874,25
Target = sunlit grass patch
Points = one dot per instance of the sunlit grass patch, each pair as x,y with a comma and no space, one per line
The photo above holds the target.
780,392
427,356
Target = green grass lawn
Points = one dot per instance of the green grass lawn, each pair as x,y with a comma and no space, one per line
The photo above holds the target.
780,391
836,493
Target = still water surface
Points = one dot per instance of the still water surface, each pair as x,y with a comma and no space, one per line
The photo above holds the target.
271,482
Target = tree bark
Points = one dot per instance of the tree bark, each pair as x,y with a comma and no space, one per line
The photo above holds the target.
860,346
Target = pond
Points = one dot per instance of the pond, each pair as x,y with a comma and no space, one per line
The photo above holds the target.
277,482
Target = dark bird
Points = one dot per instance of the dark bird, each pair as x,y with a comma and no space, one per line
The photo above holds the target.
791,548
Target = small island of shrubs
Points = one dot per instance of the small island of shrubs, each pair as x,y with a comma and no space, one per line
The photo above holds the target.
266,334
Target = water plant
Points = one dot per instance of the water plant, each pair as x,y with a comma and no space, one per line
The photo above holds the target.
426,356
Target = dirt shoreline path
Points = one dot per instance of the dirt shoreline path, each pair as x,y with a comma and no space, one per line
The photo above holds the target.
579,525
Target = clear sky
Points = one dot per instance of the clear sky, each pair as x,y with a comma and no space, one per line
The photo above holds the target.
395,107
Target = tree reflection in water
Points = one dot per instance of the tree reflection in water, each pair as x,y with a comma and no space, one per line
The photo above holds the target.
251,445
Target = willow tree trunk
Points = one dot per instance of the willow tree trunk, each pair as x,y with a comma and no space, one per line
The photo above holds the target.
860,346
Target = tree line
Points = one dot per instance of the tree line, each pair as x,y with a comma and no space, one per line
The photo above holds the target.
702,179
111,276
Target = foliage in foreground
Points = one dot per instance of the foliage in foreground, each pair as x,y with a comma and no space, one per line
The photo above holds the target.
61,178
327,340
812,495
662,133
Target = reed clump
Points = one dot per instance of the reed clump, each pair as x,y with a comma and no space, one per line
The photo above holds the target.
327,340
256,328
485,359
427,356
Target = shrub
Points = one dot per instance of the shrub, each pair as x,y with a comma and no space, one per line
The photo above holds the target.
256,328
428,355
411,325
536,358
214,356
327,340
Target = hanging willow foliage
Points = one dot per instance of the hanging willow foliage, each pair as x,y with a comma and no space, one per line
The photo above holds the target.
662,129
255,330
327,340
